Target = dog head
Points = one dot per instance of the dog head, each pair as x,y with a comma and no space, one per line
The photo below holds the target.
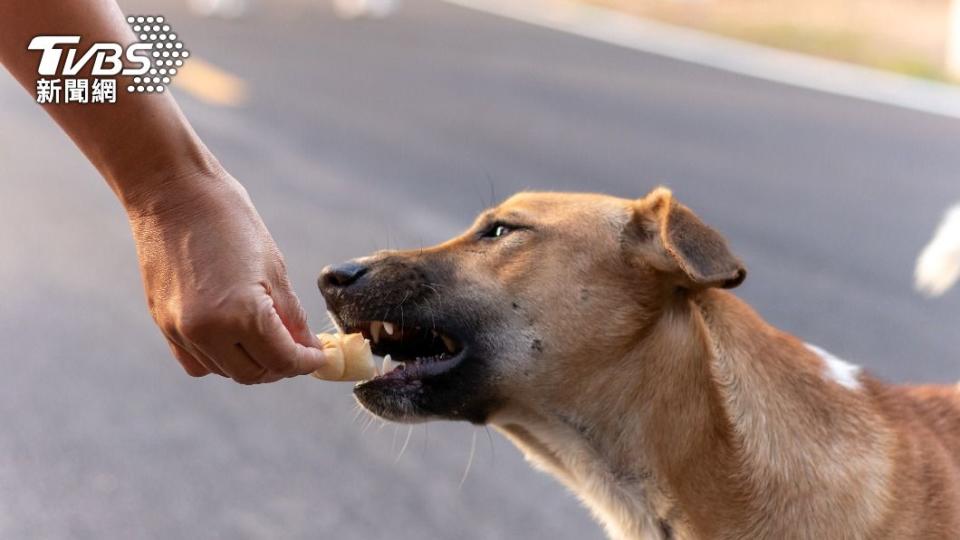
541,289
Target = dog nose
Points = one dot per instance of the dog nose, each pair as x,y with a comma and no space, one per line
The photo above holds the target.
340,276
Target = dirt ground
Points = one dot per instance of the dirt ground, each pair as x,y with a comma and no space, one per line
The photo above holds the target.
907,36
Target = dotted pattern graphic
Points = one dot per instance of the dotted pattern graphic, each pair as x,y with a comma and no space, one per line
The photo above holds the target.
166,57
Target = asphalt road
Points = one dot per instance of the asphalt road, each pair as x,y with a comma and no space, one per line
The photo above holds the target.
374,134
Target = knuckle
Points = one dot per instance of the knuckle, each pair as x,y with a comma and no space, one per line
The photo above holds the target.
299,315
263,316
265,312
266,285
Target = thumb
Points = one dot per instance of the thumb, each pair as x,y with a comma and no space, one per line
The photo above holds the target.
292,314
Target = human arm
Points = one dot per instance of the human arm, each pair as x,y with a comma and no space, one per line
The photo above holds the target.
216,284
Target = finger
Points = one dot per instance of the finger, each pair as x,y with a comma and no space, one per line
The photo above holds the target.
239,365
194,353
292,314
191,365
274,348
267,376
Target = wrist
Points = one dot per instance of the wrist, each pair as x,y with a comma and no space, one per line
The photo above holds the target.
145,169
158,192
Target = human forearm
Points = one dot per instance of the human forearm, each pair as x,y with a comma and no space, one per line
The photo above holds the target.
215,282
142,143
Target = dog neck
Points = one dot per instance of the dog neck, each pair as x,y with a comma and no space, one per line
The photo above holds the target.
712,423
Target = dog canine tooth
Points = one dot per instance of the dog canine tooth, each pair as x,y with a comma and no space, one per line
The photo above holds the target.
869,459
375,327
388,327
389,365
449,344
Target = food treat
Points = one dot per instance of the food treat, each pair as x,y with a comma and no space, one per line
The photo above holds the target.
348,358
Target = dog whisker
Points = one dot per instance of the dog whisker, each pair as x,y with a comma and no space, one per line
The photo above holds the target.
406,442
327,329
493,197
493,454
473,449
511,364
400,305
370,421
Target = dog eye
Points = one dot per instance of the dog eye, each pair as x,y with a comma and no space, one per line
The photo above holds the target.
497,230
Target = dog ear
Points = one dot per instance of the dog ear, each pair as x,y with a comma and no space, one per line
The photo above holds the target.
680,243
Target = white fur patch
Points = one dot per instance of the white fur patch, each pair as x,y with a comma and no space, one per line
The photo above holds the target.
839,371
938,266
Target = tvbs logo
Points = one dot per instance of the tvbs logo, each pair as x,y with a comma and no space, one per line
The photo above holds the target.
106,57
148,65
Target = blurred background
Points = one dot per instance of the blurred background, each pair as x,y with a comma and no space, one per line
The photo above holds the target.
915,37
365,125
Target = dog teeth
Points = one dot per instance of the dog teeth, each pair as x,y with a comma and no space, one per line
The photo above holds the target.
449,344
375,327
389,365
388,327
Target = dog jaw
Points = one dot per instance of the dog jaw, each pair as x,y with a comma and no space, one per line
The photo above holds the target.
596,339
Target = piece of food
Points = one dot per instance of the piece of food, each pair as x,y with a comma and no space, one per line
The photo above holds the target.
348,358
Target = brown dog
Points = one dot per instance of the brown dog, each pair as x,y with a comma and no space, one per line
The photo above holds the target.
594,332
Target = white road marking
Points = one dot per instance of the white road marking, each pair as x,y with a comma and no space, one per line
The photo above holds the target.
616,28
841,372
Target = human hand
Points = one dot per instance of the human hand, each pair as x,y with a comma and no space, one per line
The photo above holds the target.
216,283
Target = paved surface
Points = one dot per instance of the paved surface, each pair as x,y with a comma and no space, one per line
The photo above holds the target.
415,123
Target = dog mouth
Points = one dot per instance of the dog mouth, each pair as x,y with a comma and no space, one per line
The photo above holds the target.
410,353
